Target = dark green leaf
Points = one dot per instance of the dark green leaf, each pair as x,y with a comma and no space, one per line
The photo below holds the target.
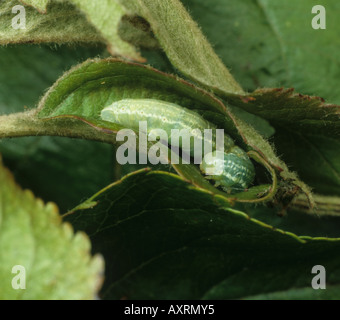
162,238
307,132
86,89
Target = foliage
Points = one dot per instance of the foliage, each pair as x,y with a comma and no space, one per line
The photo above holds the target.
164,231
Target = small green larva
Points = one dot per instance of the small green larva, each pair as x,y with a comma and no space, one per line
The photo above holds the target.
237,170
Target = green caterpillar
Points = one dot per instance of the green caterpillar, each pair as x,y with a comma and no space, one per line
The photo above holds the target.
237,171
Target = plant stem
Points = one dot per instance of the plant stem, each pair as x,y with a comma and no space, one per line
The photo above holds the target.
27,124
17,125
324,205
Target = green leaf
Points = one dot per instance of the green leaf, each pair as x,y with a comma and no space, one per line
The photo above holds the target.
271,44
183,42
309,54
137,31
68,22
57,263
316,158
305,124
106,18
163,238
40,5
49,27
86,89
242,38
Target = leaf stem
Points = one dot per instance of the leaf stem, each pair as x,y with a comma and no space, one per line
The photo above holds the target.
27,124
324,205
18,125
